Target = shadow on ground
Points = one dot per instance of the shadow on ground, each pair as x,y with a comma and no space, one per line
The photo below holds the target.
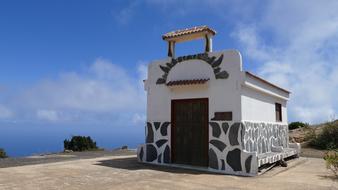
133,164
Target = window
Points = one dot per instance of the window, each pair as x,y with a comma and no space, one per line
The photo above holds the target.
278,109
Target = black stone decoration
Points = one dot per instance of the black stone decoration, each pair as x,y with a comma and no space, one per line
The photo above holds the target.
233,134
225,127
157,125
223,164
161,80
141,154
150,133
218,144
248,164
212,61
166,155
222,75
216,131
164,128
159,158
234,159
213,161
161,142
151,153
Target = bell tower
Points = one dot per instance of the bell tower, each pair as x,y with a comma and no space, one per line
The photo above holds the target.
189,34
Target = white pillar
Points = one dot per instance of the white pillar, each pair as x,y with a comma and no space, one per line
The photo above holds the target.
171,49
208,44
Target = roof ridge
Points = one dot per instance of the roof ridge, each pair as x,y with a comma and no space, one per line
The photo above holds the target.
188,31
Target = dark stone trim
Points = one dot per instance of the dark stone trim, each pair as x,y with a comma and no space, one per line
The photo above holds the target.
233,134
223,164
166,155
164,128
225,127
161,142
150,133
218,144
248,164
216,130
159,158
212,61
141,154
234,159
213,161
151,153
157,125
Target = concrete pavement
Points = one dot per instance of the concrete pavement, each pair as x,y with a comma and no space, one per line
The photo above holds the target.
123,172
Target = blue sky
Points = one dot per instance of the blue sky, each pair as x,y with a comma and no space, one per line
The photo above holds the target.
80,63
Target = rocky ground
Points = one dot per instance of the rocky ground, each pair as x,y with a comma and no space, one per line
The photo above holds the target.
300,135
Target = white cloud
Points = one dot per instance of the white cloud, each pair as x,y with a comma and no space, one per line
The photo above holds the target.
302,57
125,15
49,115
104,92
5,113
139,118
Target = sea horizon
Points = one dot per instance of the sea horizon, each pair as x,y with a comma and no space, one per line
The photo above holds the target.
38,139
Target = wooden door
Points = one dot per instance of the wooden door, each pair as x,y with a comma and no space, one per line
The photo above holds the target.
189,134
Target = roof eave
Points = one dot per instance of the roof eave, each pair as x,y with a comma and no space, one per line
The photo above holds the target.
267,82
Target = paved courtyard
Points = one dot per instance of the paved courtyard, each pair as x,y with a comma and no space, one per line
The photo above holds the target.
123,172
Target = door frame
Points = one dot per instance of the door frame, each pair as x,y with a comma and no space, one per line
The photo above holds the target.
172,134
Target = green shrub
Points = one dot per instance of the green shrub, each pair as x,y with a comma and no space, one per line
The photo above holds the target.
3,153
327,138
331,159
310,134
297,124
80,143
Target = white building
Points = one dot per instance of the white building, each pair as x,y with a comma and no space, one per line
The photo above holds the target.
204,111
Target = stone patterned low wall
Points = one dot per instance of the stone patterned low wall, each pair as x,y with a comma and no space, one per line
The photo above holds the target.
157,147
261,137
234,147
225,150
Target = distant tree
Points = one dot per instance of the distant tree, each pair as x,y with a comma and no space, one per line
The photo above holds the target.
3,153
297,124
80,143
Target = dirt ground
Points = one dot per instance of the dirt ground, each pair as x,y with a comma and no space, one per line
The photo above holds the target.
59,157
124,172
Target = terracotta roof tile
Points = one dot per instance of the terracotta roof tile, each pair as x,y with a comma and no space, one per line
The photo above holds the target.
188,31
187,82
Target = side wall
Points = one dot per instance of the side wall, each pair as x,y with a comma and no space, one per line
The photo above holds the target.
260,107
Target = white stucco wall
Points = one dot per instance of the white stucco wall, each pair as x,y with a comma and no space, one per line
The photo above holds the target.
191,69
259,105
223,94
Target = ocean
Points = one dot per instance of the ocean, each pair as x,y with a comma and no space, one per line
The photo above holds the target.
31,139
